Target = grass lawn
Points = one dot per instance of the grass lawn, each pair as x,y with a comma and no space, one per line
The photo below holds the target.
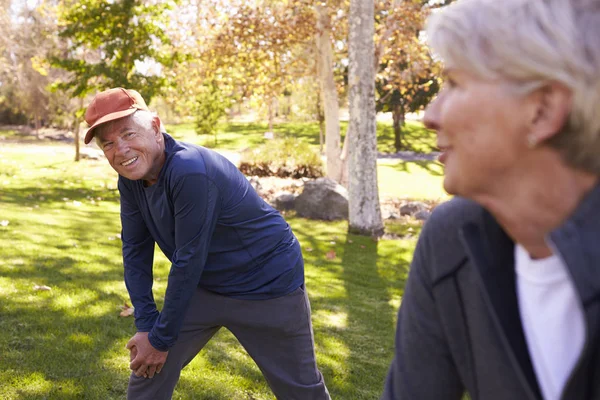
397,178
59,227
237,136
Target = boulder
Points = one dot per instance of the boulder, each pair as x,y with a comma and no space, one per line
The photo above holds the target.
412,207
285,201
422,215
323,199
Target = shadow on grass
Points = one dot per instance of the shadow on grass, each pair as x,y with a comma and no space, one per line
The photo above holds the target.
415,137
353,299
61,343
432,167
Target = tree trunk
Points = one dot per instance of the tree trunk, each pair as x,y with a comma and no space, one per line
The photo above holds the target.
76,129
329,94
364,210
398,117
271,105
321,119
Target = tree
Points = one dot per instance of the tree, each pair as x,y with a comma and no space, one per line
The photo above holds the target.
110,44
211,106
412,95
364,210
329,95
408,76
27,33
258,47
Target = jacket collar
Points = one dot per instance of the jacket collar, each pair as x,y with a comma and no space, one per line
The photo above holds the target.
577,241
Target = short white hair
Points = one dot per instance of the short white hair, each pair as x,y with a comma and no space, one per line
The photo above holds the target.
531,43
141,118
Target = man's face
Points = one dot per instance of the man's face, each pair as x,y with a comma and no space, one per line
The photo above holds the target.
134,151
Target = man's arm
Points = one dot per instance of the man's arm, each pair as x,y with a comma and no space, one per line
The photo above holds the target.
138,257
196,205
422,367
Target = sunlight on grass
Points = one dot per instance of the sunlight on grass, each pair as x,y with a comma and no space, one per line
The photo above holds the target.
69,342
338,320
413,180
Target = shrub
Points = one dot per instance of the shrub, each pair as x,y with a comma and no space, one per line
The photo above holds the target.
287,157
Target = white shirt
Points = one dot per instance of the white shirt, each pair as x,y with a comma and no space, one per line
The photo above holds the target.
552,318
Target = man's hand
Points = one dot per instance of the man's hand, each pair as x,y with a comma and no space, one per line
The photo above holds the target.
145,359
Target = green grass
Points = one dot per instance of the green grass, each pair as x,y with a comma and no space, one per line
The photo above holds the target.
68,343
239,136
397,178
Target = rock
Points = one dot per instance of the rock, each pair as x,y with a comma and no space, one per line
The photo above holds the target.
90,154
392,216
285,201
422,215
323,199
255,183
412,207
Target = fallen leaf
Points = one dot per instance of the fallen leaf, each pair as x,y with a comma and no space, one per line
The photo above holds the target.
42,287
350,241
309,249
127,310
362,246
330,255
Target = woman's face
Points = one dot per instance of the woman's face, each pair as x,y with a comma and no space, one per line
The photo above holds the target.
482,129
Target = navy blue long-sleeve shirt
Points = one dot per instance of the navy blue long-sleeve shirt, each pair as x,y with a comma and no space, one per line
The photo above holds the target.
213,227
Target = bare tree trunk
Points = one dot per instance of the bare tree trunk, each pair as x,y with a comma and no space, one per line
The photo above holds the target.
329,94
398,117
321,119
364,211
271,105
76,128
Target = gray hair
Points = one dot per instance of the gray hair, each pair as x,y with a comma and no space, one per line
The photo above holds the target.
141,118
530,43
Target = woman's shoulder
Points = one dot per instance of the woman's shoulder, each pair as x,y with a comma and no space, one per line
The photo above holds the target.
440,241
453,213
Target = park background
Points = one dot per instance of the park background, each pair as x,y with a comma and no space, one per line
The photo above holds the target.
288,90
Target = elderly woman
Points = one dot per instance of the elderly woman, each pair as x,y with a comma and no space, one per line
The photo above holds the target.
503,296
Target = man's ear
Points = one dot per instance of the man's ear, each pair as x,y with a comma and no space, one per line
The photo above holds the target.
156,126
553,105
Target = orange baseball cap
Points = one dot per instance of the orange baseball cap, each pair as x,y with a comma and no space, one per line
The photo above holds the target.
110,105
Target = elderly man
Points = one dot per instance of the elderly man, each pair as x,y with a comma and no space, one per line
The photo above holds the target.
235,261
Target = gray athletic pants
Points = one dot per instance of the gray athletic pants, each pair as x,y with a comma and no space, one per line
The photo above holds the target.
277,333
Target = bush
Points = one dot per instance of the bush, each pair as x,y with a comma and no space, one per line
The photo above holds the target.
285,158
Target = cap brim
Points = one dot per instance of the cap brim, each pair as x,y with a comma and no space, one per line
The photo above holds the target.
89,134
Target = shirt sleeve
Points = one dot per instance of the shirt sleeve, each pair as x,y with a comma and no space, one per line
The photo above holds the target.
138,257
195,207
423,367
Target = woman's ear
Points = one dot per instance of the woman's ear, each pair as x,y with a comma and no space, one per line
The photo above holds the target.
553,107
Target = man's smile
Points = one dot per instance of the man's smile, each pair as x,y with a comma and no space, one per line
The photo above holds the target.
129,162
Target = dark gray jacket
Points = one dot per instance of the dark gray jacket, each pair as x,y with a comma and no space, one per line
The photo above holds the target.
459,327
